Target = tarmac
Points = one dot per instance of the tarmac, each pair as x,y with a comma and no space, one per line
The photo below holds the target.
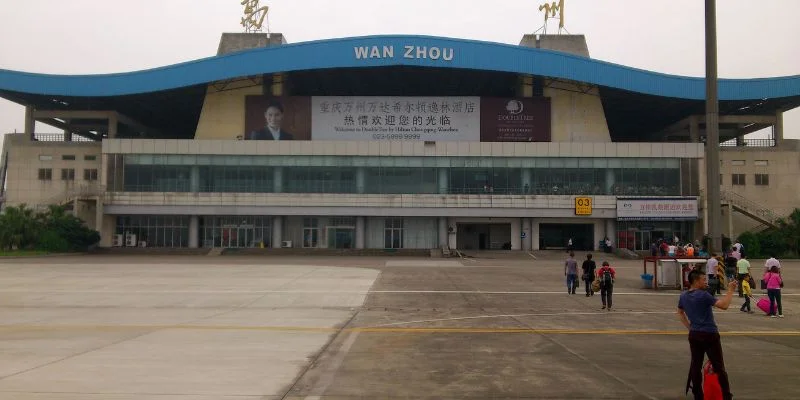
492,326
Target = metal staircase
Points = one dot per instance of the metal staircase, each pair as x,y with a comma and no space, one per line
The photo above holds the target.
750,208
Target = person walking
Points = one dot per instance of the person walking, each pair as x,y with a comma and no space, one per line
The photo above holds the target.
588,268
606,275
742,269
748,293
696,314
772,262
571,272
774,282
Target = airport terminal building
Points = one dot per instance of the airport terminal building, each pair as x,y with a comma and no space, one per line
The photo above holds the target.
393,142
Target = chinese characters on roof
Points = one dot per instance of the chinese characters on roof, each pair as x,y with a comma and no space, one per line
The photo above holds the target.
254,15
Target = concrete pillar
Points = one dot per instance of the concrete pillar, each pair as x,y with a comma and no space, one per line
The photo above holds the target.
730,221
451,236
98,216
30,123
526,230
535,233
611,231
610,181
112,126
361,178
526,181
277,231
694,129
277,179
777,130
67,132
194,232
360,232
194,179
516,234
444,181
443,232
102,174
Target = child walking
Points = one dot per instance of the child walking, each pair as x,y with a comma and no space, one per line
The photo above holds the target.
748,293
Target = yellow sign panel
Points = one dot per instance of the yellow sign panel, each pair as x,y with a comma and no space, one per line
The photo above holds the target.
583,206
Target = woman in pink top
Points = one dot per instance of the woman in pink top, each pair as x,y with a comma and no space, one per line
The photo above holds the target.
774,283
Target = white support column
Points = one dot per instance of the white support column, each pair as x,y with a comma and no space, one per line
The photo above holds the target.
444,181
611,232
443,240
535,233
361,178
452,236
360,232
777,130
194,232
526,230
277,180
277,231
194,179
516,234
526,181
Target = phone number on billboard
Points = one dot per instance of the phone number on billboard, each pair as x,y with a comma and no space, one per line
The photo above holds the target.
395,136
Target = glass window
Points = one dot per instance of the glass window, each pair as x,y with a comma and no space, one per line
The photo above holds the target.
393,233
737,163
68,174
90,174
761,163
737,179
45,174
90,157
68,157
762,179
45,157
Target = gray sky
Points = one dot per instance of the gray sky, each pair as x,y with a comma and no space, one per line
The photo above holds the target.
755,38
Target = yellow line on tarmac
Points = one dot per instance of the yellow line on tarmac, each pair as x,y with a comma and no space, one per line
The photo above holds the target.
387,330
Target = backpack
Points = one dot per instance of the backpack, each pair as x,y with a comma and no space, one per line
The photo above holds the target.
605,278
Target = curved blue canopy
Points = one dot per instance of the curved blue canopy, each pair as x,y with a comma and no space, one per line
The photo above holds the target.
394,50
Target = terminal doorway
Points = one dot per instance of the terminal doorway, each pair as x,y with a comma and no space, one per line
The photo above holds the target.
556,236
483,237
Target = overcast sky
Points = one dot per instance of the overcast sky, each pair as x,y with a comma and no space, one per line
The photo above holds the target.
755,38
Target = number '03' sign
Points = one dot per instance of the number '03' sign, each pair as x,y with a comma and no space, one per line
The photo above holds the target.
583,206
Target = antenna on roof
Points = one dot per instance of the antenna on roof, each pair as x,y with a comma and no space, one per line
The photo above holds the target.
254,16
550,10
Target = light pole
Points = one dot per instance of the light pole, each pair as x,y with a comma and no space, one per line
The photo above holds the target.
712,131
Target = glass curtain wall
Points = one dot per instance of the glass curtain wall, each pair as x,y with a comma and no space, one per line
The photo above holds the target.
156,230
395,175
236,231
639,235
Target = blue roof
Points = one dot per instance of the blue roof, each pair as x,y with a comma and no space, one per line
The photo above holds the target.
342,53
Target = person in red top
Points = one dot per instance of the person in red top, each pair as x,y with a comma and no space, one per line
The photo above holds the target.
606,275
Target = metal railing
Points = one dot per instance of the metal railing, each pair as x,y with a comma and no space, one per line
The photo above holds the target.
749,143
58,137
749,205
76,191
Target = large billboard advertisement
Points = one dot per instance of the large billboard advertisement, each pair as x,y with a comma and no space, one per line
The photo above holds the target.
675,209
463,119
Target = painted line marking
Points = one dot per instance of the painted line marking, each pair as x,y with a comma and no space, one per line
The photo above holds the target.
326,330
359,292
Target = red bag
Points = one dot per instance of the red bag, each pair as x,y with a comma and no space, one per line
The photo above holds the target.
711,388
763,304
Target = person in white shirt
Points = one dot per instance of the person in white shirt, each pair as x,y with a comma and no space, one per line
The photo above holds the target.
772,262
711,266
672,249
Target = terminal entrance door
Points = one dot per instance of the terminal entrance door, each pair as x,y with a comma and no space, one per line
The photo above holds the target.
237,236
483,237
556,236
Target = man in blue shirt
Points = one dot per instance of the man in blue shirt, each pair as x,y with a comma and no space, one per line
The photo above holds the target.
696,314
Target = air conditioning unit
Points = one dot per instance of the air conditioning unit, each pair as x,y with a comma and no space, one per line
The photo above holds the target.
130,240
286,244
117,241
142,243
